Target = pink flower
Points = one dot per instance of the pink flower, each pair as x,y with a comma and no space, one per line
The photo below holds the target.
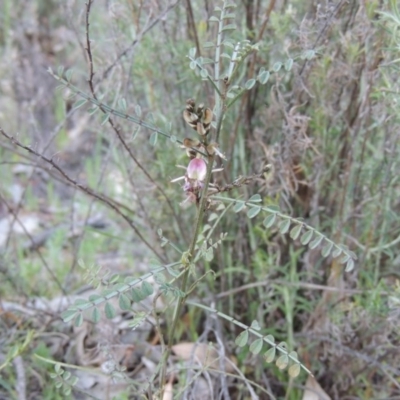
194,178
197,169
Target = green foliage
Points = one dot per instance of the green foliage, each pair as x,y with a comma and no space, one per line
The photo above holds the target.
313,93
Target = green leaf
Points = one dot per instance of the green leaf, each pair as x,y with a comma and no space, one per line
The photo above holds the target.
204,73
289,64
68,74
213,19
269,221
273,208
316,242
137,295
78,320
57,368
94,297
344,259
140,317
225,55
277,66
160,278
326,250
269,355
124,302
255,325
79,103
68,315
73,381
337,252
283,345
206,228
306,237
212,217
269,339
242,339
109,311
80,302
282,362
349,265
256,198
147,289
309,54
205,60
229,15
192,52
250,84
105,118
294,370
253,211
192,65
293,355
153,138
138,110
122,104
264,77
295,232
284,226
172,272
60,70
229,27
228,43
209,255
256,346
208,45
150,117
96,316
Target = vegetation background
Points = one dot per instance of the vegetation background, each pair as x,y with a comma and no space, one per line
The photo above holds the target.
327,121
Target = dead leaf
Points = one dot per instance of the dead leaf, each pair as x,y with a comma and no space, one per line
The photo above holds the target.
201,353
314,391
168,392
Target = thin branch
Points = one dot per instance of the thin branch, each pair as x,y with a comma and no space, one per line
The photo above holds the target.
118,130
84,189
138,39
29,236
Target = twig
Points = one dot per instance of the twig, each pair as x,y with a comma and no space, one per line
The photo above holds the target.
116,129
242,180
84,189
300,285
48,269
137,40
21,378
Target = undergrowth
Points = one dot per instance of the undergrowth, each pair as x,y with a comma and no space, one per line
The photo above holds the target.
212,184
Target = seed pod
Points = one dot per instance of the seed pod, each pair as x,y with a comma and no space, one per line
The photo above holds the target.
200,129
187,142
207,119
200,110
189,115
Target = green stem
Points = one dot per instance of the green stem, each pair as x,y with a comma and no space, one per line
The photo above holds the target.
220,108
182,300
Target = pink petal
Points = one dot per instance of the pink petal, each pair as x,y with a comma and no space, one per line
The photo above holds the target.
197,169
